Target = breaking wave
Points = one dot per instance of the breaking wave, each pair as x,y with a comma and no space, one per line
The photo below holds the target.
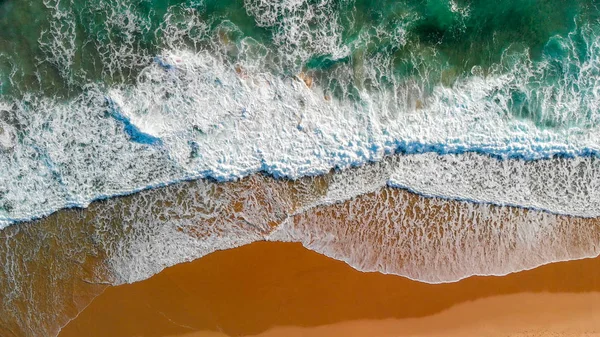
430,139
294,96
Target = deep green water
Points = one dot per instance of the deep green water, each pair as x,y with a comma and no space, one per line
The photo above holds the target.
57,47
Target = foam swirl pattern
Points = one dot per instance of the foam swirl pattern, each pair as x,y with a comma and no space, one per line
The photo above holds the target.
434,140
184,91
52,268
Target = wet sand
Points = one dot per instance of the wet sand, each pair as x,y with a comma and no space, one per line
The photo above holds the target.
282,289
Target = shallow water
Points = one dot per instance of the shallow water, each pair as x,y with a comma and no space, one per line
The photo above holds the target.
53,267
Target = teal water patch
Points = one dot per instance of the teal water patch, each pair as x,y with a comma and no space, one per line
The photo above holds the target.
57,47
60,46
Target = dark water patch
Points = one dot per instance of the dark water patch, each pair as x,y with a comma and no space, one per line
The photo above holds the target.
61,46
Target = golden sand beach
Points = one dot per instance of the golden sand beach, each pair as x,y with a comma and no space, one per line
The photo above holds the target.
282,289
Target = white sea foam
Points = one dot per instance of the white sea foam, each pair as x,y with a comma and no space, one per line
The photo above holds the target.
564,186
308,29
386,230
160,228
213,122
8,133
438,241
194,114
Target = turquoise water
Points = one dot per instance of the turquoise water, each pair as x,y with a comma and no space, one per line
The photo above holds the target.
58,47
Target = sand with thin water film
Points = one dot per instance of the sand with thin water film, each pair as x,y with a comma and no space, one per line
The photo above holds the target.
282,289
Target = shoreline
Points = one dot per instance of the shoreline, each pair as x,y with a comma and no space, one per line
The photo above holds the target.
282,289
571,320
587,153
394,231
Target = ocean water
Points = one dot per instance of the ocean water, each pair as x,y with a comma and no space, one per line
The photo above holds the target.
112,97
433,139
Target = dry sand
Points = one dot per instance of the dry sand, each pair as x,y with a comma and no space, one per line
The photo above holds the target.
274,289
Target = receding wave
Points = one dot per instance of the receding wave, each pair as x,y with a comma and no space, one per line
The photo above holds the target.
53,267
